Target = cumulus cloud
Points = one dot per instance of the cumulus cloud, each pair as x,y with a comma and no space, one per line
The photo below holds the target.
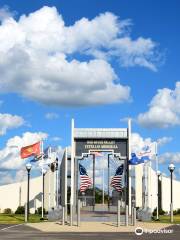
10,154
51,116
169,157
5,13
164,109
38,58
138,142
164,140
6,178
8,121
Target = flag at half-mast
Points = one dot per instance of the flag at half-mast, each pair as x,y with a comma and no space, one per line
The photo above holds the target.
31,150
85,179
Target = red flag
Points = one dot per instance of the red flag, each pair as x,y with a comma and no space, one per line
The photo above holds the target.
30,150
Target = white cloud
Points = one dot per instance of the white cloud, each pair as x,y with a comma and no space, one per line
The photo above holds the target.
5,13
40,50
135,52
5,178
164,109
138,142
51,116
169,157
10,154
56,139
164,140
8,121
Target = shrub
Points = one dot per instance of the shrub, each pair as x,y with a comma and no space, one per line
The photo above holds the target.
20,210
39,211
7,211
161,212
174,212
178,211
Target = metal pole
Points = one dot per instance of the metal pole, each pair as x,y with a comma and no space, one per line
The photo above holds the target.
49,190
134,216
171,206
26,212
20,196
103,189
28,196
42,214
127,191
78,212
57,193
157,217
94,193
119,213
71,216
127,214
128,198
108,183
72,172
63,215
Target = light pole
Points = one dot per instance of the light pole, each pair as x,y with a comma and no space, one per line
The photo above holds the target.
158,175
28,168
42,208
171,169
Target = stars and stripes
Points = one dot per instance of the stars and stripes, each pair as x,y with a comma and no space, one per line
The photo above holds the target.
85,179
116,181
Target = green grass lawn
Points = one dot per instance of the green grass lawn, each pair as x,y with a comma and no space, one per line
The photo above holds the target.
166,219
17,218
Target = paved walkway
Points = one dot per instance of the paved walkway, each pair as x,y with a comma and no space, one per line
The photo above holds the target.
94,227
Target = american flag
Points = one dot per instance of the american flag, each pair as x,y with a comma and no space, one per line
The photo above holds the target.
85,179
116,181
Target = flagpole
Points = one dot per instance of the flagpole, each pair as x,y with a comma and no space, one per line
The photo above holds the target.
49,155
94,193
103,189
42,203
157,168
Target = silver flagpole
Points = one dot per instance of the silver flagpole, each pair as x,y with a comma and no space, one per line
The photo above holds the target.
42,204
103,189
49,199
157,168
72,172
129,157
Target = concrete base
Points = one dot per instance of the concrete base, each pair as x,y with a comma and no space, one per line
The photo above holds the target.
144,214
55,214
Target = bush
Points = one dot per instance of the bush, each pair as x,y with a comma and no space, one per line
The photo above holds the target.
39,211
161,212
20,210
7,211
174,212
178,211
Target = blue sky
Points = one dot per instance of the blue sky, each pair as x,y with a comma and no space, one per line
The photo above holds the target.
145,57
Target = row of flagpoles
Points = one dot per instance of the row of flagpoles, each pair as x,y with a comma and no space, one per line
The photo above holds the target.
45,159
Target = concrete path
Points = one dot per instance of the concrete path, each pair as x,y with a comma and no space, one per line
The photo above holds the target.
25,232
95,227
